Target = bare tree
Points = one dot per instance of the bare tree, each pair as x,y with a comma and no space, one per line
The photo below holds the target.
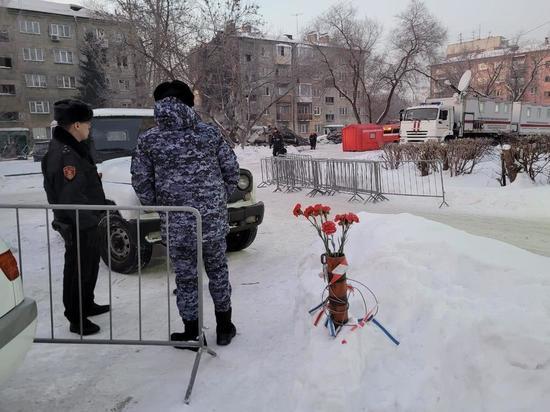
414,45
349,60
522,71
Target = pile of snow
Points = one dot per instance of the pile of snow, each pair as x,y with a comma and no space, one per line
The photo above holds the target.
471,315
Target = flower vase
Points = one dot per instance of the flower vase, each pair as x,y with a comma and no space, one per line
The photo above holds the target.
338,291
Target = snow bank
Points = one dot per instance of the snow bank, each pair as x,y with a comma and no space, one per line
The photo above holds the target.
471,314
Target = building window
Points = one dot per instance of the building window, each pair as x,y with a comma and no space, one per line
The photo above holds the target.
546,94
267,92
63,56
282,50
329,117
39,107
547,79
35,80
33,55
253,98
66,82
283,89
60,30
317,110
4,35
497,108
9,116
266,112
248,57
316,92
304,90
548,112
539,112
40,133
506,108
528,112
124,84
329,100
7,89
5,63
482,66
304,127
29,27
533,90
318,128
344,111
122,61
481,107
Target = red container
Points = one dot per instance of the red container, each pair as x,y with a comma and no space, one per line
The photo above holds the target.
362,137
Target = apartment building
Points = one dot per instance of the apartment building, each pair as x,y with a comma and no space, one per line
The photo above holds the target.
40,44
499,68
283,80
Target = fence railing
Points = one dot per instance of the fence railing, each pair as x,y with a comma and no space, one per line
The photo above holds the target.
109,211
364,180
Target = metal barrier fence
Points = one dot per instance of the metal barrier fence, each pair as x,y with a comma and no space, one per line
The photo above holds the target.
109,211
364,180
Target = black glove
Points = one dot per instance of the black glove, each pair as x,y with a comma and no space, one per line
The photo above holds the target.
65,230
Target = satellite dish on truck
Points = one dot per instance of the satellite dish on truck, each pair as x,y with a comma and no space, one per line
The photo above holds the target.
465,80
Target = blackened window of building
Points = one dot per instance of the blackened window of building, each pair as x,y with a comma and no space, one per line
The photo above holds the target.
5,62
7,89
9,116
4,35
248,57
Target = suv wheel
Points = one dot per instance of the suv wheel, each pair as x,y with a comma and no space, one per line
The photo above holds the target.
124,257
241,240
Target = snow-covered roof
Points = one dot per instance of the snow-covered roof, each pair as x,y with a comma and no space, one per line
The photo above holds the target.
487,54
123,113
47,7
14,129
280,38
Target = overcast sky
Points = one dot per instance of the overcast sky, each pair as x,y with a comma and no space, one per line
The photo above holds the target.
498,17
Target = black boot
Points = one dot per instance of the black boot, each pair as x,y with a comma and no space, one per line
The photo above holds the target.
88,327
190,334
225,330
96,309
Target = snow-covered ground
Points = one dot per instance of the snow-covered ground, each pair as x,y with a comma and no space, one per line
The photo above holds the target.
470,312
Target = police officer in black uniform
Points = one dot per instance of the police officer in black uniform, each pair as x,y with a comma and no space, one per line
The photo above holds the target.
70,177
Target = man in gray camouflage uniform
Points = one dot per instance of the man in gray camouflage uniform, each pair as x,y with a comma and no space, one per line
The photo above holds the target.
185,162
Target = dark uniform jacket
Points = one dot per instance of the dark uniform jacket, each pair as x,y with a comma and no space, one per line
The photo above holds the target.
70,177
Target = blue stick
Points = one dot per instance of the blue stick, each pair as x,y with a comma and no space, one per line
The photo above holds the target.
388,334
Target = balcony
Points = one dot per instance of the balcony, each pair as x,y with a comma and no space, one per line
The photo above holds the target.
305,117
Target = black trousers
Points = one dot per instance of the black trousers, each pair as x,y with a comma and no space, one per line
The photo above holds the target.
89,268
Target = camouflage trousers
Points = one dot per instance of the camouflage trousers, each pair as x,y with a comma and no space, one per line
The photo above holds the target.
184,262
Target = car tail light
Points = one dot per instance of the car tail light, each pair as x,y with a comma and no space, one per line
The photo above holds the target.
8,264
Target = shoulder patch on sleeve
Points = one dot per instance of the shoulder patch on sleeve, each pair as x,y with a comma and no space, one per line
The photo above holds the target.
69,172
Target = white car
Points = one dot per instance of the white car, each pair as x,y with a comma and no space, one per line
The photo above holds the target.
17,315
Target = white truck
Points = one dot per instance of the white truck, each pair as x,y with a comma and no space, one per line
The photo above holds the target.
468,116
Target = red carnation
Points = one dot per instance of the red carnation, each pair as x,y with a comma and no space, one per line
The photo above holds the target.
297,210
352,217
326,209
308,212
317,209
329,228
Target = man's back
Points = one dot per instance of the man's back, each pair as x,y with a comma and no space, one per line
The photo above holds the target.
185,162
